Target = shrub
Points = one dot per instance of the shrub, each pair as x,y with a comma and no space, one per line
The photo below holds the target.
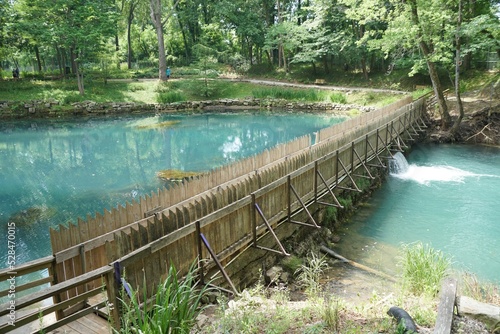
170,97
338,98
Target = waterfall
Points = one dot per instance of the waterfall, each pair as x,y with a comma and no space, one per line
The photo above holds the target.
398,164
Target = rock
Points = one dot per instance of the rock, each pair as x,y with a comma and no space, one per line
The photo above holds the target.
273,274
486,313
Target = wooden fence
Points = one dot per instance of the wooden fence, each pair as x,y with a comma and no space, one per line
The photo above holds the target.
213,218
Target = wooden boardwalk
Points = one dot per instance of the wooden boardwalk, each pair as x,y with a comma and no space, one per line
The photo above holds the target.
89,324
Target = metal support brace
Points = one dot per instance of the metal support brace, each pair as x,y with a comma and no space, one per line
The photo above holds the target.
423,126
283,251
375,151
370,176
415,132
219,265
337,203
398,140
349,176
406,129
386,145
303,207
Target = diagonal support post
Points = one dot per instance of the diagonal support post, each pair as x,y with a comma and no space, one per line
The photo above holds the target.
348,174
375,152
303,207
217,262
370,176
270,229
337,203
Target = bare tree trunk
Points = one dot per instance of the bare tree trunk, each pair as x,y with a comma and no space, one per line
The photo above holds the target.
436,83
38,61
156,17
130,19
79,79
460,107
158,24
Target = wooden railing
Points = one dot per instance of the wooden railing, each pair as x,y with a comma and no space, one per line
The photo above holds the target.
27,304
211,219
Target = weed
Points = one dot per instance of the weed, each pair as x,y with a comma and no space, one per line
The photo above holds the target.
485,292
332,310
309,274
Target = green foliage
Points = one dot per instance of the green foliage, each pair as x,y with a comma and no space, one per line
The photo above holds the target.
346,202
338,98
171,97
291,263
332,311
176,305
330,216
311,95
423,268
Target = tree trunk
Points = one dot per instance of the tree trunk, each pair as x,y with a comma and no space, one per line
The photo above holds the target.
130,19
38,61
363,67
460,107
79,79
436,83
156,18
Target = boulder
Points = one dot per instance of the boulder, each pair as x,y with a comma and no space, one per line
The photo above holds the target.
486,313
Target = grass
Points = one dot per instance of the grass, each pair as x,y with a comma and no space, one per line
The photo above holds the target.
174,309
188,84
423,269
269,310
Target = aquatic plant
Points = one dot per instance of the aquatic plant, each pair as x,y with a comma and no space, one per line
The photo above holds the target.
175,175
159,125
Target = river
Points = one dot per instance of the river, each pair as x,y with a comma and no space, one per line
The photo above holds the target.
447,197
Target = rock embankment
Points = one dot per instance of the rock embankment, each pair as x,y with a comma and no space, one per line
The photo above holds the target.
54,108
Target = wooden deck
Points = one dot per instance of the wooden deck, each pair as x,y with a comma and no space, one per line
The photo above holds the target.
90,324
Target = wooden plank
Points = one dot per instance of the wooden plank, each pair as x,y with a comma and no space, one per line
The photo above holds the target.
28,267
446,306
55,289
26,319
70,319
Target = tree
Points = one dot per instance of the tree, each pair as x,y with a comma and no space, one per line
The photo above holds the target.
159,23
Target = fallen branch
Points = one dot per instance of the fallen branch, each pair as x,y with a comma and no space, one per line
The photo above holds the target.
481,133
355,264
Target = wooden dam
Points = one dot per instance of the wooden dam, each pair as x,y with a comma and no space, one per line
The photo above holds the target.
245,209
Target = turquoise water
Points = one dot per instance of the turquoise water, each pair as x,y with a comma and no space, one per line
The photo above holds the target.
448,197
53,171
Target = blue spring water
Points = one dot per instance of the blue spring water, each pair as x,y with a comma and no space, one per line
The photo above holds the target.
54,171
445,196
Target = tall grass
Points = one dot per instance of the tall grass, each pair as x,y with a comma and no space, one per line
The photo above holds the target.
423,268
174,309
309,274
311,95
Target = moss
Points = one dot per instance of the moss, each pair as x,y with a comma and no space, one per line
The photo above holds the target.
292,263
175,175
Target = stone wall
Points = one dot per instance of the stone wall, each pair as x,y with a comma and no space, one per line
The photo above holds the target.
53,108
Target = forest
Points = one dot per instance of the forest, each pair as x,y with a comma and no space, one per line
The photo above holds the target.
429,37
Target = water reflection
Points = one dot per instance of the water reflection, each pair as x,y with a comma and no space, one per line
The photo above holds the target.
53,171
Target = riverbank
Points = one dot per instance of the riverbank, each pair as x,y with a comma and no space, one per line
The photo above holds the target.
481,122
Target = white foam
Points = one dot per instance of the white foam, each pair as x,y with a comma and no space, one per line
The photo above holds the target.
427,174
